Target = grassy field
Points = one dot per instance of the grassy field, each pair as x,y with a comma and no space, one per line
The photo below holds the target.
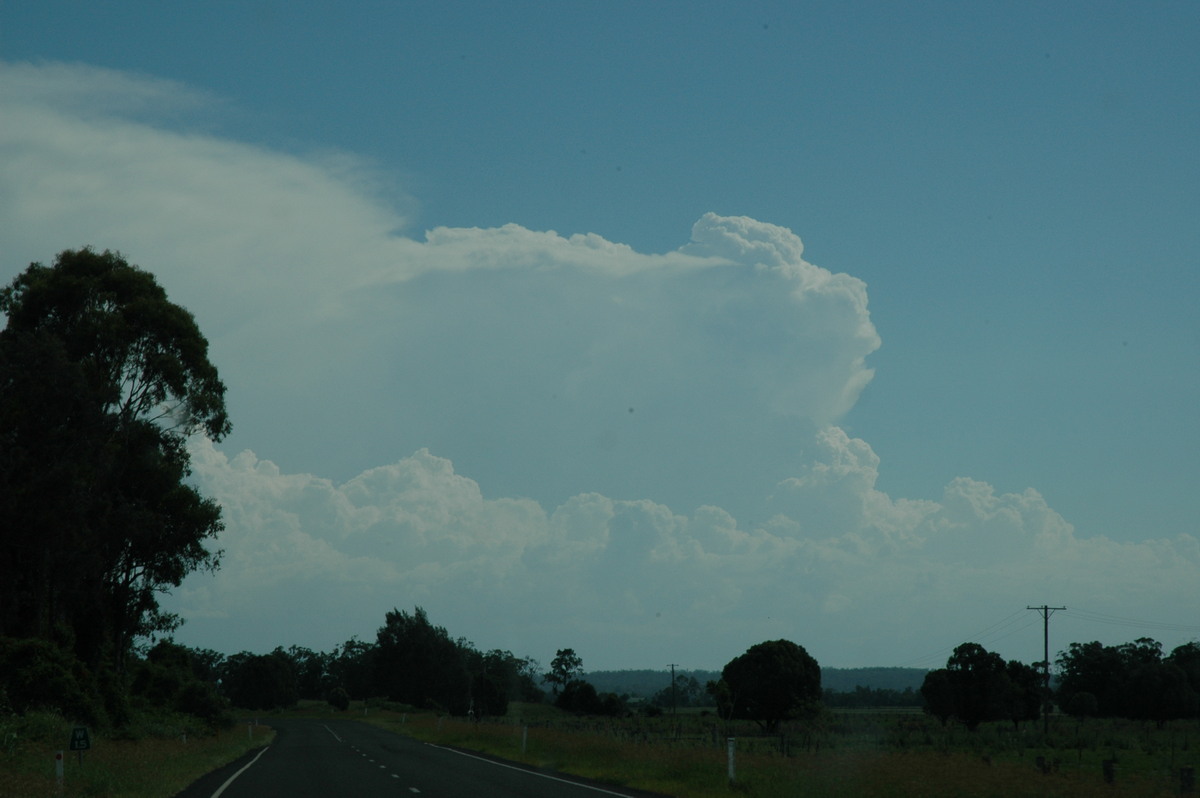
844,753
863,753
157,764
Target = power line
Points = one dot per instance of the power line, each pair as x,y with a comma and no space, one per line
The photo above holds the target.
989,634
1117,620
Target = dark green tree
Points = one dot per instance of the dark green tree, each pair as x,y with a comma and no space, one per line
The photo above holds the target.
497,677
260,681
207,664
722,696
175,677
352,667
489,695
313,680
579,697
773,682
939,694
1026,686
102,380
1099,670
418,663
980,684
1132,680
1159,691
1187,659
565,667
977,686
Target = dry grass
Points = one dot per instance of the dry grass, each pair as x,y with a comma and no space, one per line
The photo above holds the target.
865,755
157,766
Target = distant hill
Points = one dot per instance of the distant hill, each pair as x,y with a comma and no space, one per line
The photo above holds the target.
844,680
646,683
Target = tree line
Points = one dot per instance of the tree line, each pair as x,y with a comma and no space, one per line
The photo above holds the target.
1131,680
411,662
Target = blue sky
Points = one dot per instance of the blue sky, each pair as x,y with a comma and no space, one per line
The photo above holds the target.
517,324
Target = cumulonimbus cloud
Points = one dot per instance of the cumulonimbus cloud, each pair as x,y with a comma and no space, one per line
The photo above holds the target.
547,440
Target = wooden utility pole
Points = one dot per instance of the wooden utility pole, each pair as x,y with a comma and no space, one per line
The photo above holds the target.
1046,612
673,711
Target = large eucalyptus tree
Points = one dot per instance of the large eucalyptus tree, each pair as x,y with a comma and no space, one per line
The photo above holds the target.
102,380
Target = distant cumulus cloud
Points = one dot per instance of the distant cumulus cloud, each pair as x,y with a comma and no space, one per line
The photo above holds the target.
633,578
545,439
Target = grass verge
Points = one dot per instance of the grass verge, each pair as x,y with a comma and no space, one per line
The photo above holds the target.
150,759
848,762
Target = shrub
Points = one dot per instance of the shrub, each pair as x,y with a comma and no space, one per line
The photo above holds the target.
202,701
339,699
39,675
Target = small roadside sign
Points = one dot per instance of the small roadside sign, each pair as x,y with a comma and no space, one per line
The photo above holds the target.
79,739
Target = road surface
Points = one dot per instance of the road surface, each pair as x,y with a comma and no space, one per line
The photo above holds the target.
333,758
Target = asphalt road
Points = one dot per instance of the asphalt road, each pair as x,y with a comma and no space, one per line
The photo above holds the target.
328,759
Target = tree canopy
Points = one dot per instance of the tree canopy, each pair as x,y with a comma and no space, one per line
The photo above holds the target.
977,685
772,682
102,380
564,668
1132,680
418,663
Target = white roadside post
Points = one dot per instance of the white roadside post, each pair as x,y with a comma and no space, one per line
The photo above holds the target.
58,769
732,742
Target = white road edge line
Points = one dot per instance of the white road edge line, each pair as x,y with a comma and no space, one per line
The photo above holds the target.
530,772
246,767
339,739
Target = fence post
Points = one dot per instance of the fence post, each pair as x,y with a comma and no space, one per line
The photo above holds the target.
732,745
524,738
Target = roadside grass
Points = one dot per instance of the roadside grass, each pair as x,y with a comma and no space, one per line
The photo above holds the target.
147,759
842,754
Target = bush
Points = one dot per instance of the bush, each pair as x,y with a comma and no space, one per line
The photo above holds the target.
166,680
202,701
580,697
39,675
339,699
489,697
1082,705
266,681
